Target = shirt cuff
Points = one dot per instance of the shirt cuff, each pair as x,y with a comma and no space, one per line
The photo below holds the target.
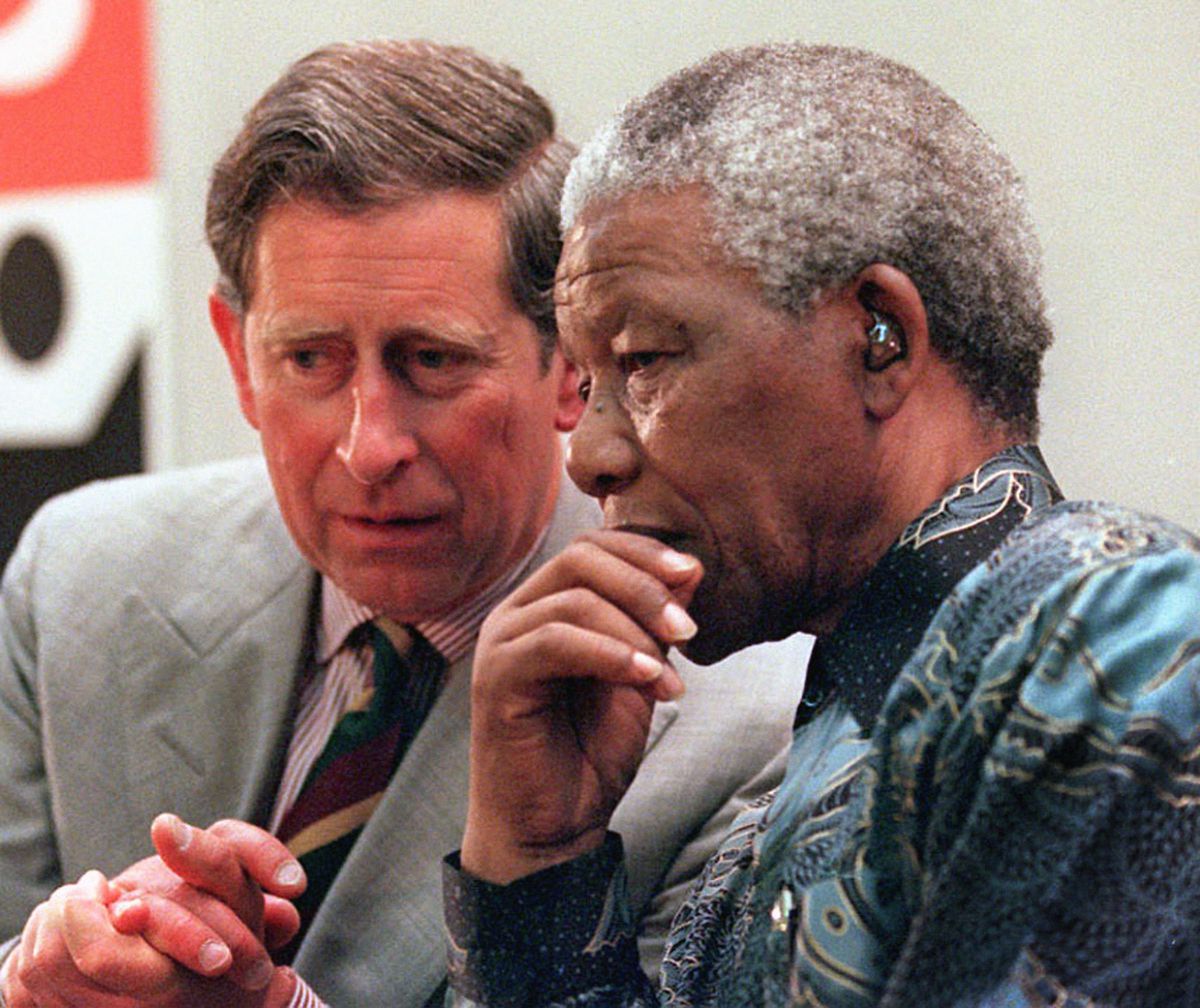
543,937
304,996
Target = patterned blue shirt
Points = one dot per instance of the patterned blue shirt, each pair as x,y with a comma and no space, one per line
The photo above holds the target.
993,796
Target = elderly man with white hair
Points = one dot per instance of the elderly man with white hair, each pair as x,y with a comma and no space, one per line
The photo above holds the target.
801,292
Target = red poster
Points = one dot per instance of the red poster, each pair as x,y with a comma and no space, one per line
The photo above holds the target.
80,245
75,93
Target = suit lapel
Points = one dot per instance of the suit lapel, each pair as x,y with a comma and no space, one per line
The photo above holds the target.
212,715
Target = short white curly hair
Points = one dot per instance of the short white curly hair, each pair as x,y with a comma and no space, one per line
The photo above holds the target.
820,160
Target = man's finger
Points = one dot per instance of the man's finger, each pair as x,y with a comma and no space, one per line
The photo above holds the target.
650,599
678,570
130,915
227,950
580,607
175,932
197,930
281,921
265,858
222,858
561,651
113,961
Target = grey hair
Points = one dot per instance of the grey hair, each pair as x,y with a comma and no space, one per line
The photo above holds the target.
362,125
818,161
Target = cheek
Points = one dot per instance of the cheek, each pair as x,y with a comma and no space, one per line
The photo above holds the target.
688,443
296,443
301,420
464,433
517,422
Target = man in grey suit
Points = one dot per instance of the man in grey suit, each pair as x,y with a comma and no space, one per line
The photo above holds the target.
386,228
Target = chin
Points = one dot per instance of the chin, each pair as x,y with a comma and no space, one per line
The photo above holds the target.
716,639
702,651
722,626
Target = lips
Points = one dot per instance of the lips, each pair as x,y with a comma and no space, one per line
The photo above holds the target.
664,536
394,531
401,520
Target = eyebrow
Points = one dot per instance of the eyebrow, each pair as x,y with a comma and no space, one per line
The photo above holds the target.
289,331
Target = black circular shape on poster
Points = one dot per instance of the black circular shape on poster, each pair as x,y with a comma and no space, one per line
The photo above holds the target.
31,297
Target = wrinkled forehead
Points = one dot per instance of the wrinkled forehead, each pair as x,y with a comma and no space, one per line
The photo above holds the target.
651,230
647,263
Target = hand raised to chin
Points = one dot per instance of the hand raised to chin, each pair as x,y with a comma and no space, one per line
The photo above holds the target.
567,672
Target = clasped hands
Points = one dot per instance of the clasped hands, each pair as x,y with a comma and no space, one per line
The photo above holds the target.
191,926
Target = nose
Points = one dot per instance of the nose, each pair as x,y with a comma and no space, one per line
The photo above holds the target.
603,454
377,440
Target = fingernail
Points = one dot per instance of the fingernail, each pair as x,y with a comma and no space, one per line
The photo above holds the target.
650,667
214,955
259,975
670,686
182,832
679,624
289,874
125,905
94,883
677,561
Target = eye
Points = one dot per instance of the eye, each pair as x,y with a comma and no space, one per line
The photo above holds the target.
311,360
313,367
432,368
432,359
639,361
306,359
584,388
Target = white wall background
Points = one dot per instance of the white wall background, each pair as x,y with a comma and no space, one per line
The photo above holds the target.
1098,103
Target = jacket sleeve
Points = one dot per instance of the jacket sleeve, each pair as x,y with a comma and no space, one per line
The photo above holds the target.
29,865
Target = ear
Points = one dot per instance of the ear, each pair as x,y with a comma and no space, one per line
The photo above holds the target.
884,292
570,405
228,325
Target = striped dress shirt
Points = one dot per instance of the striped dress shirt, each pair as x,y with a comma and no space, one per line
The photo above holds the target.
342,670
343,667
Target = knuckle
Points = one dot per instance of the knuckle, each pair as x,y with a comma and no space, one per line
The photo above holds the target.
578,557
95,963
26,969
224,828
60,894
548,640
575,600
182,931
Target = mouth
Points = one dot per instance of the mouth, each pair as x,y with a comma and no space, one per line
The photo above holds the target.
393,529
674,540
398,521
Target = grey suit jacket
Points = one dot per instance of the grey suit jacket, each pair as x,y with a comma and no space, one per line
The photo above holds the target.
151,629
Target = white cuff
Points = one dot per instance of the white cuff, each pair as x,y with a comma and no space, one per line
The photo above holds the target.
302,997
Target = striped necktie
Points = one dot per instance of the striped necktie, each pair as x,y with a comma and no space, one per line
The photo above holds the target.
349,778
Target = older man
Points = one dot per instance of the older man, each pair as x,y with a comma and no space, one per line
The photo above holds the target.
801,293
386,228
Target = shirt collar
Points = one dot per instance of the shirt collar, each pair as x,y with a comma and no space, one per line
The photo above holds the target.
890,610
452,633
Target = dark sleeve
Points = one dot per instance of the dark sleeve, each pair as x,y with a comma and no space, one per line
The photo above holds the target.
562,936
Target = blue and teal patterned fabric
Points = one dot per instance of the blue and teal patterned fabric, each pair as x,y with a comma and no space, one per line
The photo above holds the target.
993,796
